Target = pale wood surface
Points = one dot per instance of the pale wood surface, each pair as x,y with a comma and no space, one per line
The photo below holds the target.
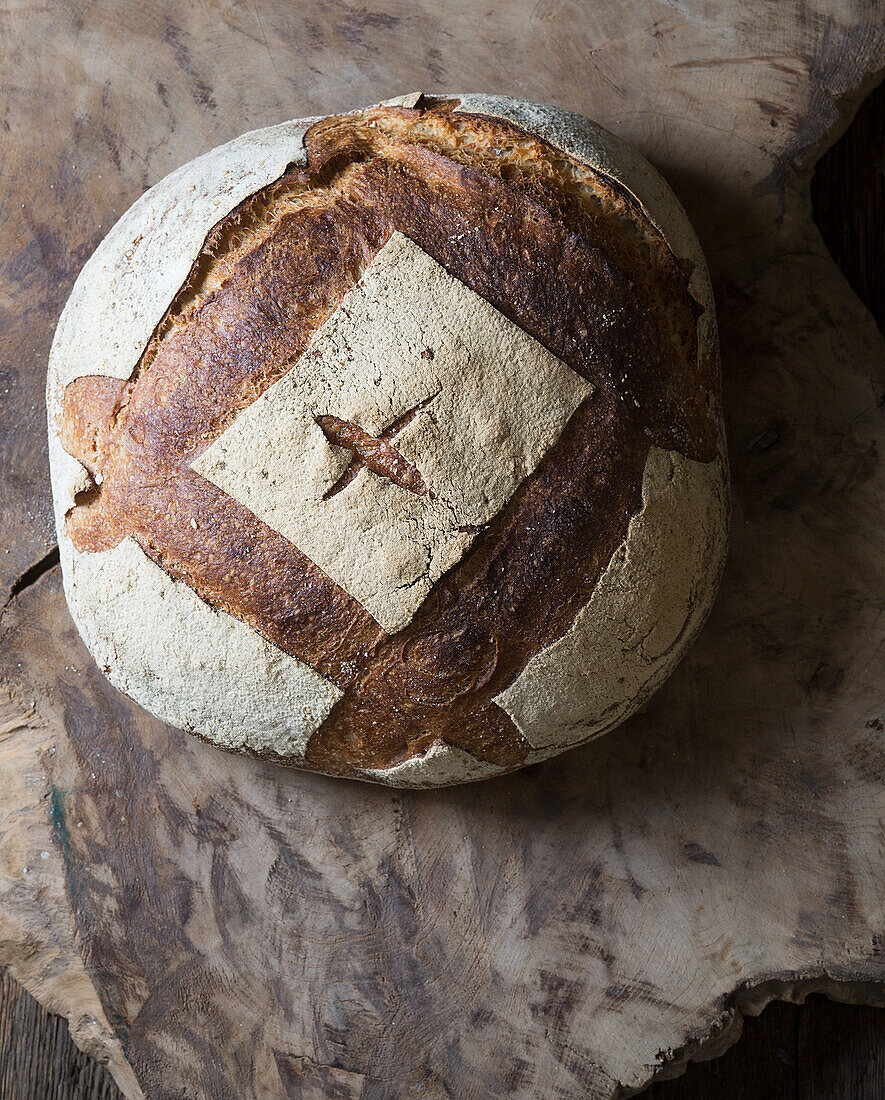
222,928
818,1051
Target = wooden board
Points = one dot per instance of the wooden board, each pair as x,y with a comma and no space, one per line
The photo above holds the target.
820,1050
213,927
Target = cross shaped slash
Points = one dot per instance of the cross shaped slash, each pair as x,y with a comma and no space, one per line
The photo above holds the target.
375,453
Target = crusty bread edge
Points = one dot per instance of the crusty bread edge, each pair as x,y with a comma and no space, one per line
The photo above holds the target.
180,656
702,490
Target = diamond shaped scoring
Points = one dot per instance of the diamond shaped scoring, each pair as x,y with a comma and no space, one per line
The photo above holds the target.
486,401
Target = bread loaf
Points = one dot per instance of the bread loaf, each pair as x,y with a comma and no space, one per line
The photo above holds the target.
389,444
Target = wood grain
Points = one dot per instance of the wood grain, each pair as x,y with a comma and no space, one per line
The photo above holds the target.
251,933
38,1061
819,1051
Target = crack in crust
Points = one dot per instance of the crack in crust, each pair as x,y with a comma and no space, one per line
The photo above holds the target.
375,453
563,252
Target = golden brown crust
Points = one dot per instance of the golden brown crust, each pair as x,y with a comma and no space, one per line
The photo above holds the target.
561,251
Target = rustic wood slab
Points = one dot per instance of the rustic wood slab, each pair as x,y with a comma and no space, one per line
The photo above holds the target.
214,927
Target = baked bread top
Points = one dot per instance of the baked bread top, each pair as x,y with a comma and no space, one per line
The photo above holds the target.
388,444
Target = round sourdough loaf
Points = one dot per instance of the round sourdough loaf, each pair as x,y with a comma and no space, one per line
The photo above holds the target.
388,444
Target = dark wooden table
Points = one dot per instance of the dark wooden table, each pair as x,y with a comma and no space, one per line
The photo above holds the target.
821,1051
